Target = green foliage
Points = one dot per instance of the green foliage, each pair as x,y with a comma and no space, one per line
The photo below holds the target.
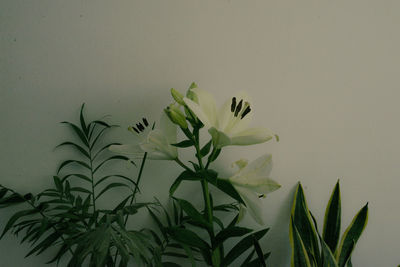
309,248
182,232
67,215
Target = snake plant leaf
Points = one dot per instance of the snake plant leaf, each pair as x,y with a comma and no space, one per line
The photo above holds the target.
328,258
351,236
299,252
331,230
304,225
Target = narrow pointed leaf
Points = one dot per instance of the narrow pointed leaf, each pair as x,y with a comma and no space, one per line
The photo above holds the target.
15,217
184,143
351,236
78,132
76,146
227,233
191,211
242,246
117,157
68,162
109,186
82,121
304,225
331,230
299,256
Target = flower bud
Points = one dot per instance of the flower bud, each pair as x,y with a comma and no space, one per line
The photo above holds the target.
177,96
176,116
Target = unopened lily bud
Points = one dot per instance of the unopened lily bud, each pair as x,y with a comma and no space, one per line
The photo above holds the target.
176,116
177,96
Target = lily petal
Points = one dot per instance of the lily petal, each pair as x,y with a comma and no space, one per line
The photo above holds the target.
253,203
195,108
262,185
261,166
252,136
168,128
207,103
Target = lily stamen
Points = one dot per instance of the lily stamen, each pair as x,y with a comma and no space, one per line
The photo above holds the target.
233,105
238,108
245,112
145,122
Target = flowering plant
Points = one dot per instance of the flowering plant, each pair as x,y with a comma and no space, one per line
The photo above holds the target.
227,126
70,217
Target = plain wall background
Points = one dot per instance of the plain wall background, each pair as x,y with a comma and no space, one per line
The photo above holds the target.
324,75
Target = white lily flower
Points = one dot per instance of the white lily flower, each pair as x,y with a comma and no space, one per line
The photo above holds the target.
252,183
230,125
156,142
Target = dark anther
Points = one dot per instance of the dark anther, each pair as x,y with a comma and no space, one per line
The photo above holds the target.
261,196
145,122
245,112
233,105
141,127
135,129
238,108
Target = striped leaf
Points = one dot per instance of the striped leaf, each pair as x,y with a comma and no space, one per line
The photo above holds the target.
299,252
351,236
304,225
331,231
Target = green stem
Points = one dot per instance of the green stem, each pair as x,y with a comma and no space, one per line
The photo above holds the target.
207,203
92,181
133,196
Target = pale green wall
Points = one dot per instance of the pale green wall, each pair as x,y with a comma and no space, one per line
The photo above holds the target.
323,74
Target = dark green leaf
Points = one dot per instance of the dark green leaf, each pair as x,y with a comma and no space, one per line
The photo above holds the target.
15,217
242,246
331,230
186,175
185,143
205,149
226,187
188,237
80,189
78,131
3,192
67,162
351,236
104,148
110,158
58,184
304,225
117,176
227,233
78,147
260,254
109,186
299,252
82,121
78,175
191,211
